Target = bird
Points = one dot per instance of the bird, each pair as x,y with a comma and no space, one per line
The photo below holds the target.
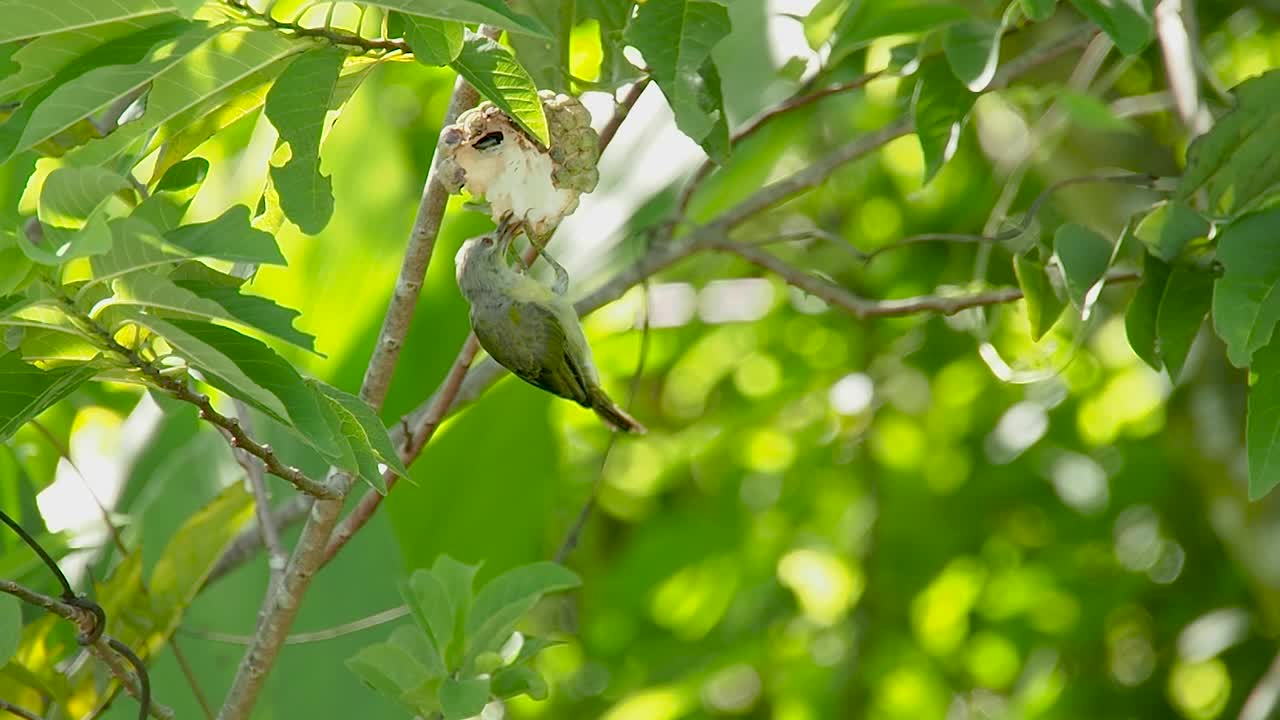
528,328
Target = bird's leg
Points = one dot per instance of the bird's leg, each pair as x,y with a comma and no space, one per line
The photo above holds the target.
561,284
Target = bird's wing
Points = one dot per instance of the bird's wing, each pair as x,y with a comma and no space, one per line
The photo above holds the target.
544,357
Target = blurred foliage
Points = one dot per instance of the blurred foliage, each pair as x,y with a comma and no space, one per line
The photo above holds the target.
987,515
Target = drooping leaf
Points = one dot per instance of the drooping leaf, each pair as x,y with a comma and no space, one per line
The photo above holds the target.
25,19
1262,432
496,74
480,12
676,38
1246,299
229,237
939,107
296,106
41,59
191,555
864,22
101,87
972,49
1083,255
372,426
254,311
1187,297
26,391
1044,307
463,698
1140,318
200,82
217,367
1127,22
350,430
1168,228
1237,162
434,41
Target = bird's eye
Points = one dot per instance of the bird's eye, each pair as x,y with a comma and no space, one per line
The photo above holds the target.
487,241
493,139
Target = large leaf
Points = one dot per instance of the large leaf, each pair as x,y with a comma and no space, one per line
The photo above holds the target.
432,609
482,12
463,698
70,194
296,106
302,407
191,554
26,19
203,77
676,38
495,73
1237,162
504,600
101,87
229,237
254,311
156,292
939,107
135,245
973,51
217,367
1246,299
435,42
1168,228
388,668
546,58
1127,22
373,429
1262,432
26,391
1083,255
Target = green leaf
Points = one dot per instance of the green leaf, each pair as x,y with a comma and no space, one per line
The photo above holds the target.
865,22
300,406
419,644
1262,431
372,426
495,73
1084,256
1039,10
366,463
66,244
434,41
1144,309
503,601
229,237
1188,294
973,51
70,194
387,668
202,80
1127,22
27,19
1168,228
676,38
432,609
135,244
191,554
101,87
26,391
546,58
480,12
296,106
40,60
1090,113
217,367
182,175
15,267
1044,307
1246,299
518,680
10,626
821,21
1237,162
254,311
156,292
457,579
716,144
939,107
189,130
461,699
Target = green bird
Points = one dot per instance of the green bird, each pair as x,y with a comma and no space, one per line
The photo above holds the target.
529,329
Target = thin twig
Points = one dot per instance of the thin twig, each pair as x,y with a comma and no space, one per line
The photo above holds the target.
277,557
205,706
249,541
337,37
355,626
308,555
620,113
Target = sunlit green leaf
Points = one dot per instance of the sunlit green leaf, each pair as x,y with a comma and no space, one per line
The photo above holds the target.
70,194
366,462
1043,305
229,237
434,41
485,12
1237,162
296,106
498,77
1246,304
676,38
254,311
25,19
387,668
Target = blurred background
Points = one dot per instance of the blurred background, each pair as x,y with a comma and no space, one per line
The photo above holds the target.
915,518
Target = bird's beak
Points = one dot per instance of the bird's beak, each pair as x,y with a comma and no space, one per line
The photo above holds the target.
508,228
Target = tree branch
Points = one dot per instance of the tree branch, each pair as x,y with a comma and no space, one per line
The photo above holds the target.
337,37
281,606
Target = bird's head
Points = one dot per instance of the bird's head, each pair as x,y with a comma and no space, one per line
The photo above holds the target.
488,251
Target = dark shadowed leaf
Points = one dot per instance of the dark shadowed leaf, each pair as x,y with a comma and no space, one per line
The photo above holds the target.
1044,307
1187,297
1263,423
26,391
940,107
1083,255
1144,309
1127,22
973,51
1246,303
1238,161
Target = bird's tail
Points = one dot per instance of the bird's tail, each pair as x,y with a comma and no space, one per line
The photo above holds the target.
613,414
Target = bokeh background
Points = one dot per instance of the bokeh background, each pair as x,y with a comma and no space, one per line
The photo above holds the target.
910,518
